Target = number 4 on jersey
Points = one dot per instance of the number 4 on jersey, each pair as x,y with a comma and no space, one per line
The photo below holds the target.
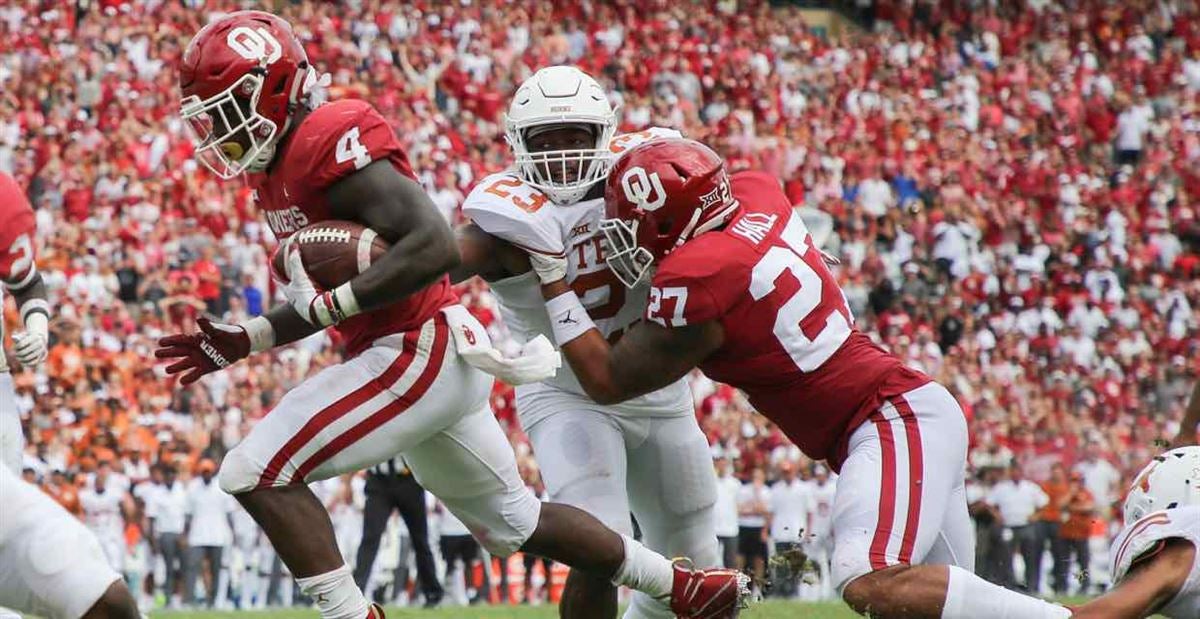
350,149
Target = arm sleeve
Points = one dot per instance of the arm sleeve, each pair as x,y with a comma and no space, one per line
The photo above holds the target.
17,267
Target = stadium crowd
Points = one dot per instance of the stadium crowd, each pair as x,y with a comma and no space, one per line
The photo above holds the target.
1012,189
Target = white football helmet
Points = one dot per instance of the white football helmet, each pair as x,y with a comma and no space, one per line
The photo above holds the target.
1170,480
561,95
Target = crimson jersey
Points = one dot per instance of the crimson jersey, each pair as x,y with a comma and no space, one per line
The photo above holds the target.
332,142
790,343
17,226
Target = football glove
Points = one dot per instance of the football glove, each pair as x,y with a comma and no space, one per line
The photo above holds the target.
216,347
320,309
30,345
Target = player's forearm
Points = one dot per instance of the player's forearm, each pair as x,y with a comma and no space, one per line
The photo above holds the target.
588,353
287,325
31,298
414,262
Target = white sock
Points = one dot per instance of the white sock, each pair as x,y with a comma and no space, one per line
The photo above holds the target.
644,570
336,595
971,597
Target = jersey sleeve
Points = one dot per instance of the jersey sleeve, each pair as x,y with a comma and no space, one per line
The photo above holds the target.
684,292
17,266
507,208
626,141
345,137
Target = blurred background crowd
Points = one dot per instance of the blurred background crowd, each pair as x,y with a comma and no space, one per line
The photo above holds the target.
1009,186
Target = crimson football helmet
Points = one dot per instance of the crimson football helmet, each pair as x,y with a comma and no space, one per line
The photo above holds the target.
241,78
658,196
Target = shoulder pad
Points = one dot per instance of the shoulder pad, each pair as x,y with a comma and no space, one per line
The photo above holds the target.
506,207
626,141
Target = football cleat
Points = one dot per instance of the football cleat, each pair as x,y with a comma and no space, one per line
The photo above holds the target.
375,611
716,593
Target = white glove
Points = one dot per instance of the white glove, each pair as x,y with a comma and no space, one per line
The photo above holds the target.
537,362
549,268
30,345
320,309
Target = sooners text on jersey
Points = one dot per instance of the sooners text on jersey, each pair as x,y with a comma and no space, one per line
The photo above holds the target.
790,343
332,142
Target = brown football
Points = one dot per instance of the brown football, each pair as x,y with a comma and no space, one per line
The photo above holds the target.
332,252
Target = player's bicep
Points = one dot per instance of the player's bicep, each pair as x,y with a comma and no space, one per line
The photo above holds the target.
651,356
390,203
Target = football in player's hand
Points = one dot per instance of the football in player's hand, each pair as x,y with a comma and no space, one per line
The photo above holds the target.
332,252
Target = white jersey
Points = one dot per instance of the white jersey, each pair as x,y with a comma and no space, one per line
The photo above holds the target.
506,207
1143,535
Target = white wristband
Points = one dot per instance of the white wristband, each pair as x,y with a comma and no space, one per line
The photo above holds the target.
261,333
346,301
568,318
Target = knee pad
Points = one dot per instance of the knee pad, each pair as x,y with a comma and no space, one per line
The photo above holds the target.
239,473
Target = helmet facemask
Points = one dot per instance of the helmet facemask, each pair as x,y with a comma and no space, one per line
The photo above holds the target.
627,260
565,176
227,123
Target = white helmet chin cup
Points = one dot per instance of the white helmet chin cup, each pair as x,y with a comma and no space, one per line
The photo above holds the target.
561,95
1170,480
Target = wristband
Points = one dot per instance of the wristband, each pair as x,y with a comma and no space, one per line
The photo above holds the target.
34,306
568,318
261,333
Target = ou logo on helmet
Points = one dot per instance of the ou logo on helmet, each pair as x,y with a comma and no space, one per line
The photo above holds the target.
255,44
644,190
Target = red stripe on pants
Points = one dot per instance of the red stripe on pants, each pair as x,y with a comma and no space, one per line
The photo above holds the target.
887,493
916,471
436,355
338,409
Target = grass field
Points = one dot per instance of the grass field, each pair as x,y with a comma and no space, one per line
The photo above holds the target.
765,610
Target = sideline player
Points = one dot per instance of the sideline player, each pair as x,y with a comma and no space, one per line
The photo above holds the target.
406,385
647,454
1155,559
739,289
50,564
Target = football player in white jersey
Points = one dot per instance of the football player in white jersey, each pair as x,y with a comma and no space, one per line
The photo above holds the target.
647,455
1155,559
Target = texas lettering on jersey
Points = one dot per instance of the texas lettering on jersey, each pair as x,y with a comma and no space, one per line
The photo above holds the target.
332,142
790,342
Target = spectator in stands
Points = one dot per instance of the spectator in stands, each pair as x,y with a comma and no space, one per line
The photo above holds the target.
1049,522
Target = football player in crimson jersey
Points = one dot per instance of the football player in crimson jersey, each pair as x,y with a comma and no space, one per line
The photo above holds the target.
739,290
35,530
19,276
410,382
